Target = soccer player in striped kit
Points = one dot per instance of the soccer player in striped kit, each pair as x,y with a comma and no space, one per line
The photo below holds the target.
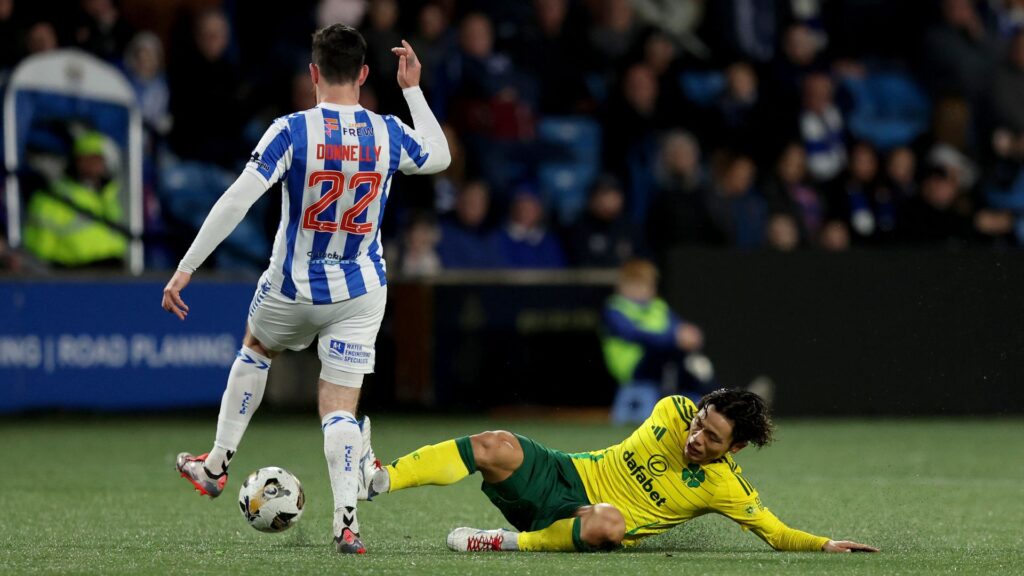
326,277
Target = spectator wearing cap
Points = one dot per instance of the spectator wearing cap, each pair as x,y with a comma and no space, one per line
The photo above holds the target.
604,236
75,223
525,241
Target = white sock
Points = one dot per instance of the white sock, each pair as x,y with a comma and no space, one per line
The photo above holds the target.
246,383
343,445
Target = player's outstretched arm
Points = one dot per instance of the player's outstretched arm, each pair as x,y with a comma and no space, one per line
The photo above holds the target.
434,155
847,546
222,220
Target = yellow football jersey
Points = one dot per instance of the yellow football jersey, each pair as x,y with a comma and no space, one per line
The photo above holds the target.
648,478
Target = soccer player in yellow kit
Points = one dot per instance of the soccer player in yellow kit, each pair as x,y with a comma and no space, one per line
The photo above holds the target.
676,466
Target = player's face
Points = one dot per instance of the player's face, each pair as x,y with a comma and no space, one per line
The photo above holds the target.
710,436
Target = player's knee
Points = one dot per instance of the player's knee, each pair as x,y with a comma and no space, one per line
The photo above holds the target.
495,449
256,346
604,527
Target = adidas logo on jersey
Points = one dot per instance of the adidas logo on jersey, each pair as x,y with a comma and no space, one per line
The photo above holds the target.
659,431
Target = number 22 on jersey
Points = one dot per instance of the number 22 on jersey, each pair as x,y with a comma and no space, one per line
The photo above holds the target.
336,187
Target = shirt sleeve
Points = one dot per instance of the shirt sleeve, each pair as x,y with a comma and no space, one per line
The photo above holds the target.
619,326
225,215
741,504
424,147
273,154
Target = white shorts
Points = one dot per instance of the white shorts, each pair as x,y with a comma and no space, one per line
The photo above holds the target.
347,330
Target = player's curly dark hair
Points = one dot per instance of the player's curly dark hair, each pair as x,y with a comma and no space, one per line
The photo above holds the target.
340,52
748,412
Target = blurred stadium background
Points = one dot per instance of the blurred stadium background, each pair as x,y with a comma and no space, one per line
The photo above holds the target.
833,190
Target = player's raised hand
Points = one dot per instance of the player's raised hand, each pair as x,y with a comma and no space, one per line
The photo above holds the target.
172,301
847,546
409,66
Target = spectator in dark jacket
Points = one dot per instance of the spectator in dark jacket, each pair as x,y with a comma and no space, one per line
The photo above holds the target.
940,214
207,96
525,241
679,214
738,212
604,236
466,240
789,193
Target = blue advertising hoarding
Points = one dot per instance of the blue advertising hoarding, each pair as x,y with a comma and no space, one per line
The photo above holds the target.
109,345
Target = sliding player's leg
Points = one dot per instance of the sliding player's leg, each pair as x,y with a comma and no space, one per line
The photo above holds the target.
594,527
536,488
495,454
246,383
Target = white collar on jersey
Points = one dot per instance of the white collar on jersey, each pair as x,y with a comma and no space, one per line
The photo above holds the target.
340,107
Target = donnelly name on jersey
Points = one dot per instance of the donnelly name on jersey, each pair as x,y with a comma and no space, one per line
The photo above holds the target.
353,153
645,481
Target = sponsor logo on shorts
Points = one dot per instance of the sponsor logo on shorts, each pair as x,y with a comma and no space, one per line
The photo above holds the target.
351,354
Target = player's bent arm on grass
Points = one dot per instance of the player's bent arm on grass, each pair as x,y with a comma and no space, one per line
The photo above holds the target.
748,512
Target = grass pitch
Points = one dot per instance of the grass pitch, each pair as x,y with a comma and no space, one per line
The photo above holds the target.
98,496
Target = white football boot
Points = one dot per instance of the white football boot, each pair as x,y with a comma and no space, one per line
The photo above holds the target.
476,540
368,464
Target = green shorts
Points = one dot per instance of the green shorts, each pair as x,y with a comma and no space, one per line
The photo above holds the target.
545,488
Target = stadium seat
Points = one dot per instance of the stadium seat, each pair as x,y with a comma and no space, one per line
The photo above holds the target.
889,109
570,156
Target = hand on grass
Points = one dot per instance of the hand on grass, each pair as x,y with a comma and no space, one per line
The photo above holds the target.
847,546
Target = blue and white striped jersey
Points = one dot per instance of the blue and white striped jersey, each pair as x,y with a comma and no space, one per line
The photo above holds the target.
335,163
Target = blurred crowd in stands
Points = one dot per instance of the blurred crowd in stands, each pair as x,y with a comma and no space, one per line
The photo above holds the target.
586,132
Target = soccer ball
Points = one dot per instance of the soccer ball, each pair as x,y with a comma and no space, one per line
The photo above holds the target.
271,499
